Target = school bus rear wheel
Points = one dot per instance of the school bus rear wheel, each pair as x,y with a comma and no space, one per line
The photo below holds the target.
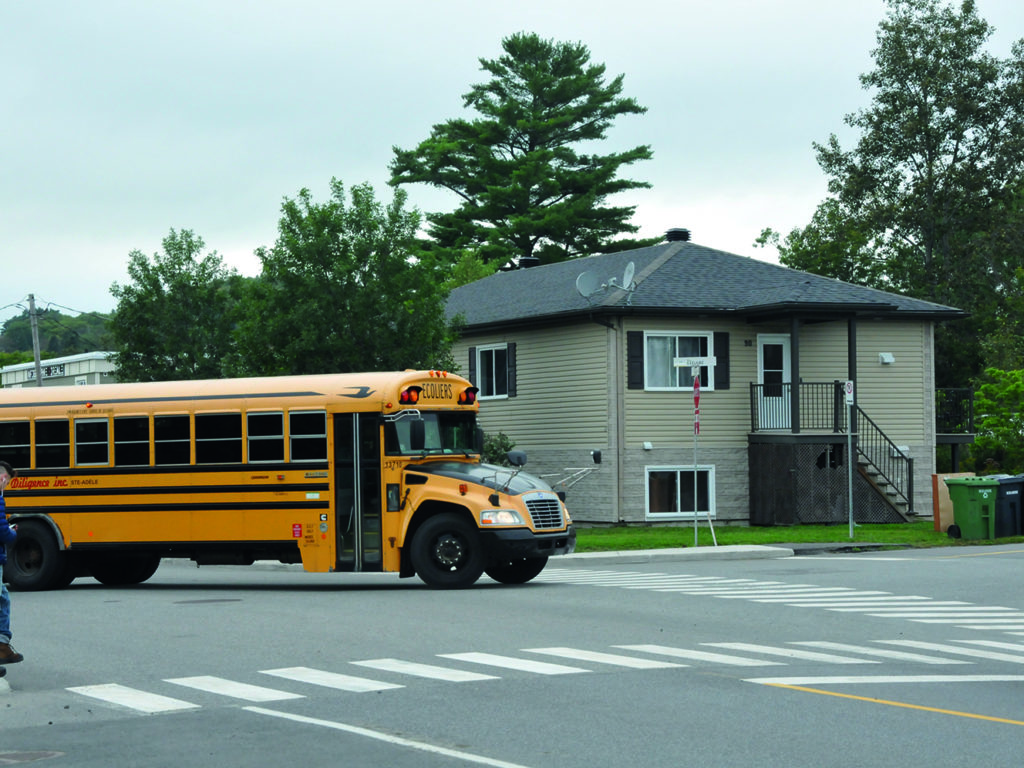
35,562
446,552
123,570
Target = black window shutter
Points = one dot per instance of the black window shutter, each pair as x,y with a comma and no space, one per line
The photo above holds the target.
472,366
510,362
721,360
634,359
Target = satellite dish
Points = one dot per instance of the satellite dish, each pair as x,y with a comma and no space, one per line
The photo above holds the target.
587,285
627,277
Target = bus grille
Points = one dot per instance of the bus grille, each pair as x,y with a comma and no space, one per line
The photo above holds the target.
545,511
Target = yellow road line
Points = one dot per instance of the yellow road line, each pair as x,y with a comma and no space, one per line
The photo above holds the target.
903,704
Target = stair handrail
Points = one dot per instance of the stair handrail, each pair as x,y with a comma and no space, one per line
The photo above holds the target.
887,458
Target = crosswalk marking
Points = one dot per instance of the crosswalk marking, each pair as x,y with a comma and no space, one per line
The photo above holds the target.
970,619
957,650
845,598
756,589
797,592
895,604
605,658
331,679
867,679
425,670
233,689
150,703
791,653
675,582
939,613
996,644
511,662
708,656
750,655
880,652
875,603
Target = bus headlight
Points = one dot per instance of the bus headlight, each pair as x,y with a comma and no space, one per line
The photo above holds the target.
500,517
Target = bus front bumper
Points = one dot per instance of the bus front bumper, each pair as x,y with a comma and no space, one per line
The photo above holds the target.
518,543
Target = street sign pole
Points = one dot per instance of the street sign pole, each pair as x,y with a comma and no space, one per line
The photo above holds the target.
848,391
695,364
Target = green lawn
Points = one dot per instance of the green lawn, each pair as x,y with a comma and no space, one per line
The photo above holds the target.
916,534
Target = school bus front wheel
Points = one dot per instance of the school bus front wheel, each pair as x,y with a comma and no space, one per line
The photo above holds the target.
516,571
446,552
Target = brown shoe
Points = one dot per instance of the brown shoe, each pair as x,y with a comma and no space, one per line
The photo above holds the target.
8,655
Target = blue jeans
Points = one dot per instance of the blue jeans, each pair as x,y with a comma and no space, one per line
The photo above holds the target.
5,610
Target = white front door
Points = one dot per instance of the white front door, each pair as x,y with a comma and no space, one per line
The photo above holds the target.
773,374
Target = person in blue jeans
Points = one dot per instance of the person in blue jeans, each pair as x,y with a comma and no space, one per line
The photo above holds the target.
8,533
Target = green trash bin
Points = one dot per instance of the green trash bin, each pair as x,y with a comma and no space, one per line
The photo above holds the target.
974,506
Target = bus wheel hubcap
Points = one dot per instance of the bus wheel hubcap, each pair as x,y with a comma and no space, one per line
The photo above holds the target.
448,551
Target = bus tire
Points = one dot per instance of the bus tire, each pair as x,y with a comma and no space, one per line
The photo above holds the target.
446,552
516,571
35,562
123,570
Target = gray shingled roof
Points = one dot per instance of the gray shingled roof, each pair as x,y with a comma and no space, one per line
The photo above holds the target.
677,278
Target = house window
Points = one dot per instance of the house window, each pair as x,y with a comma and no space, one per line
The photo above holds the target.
670,493
492,369
662,349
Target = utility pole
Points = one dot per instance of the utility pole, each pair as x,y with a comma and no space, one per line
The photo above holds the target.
35,337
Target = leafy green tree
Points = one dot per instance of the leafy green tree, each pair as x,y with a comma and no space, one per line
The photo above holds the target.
939,159
525,189
174,319
832,245
59,334
15,358
999,419
343,289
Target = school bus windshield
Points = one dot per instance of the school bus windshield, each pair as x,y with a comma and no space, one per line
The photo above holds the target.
444,433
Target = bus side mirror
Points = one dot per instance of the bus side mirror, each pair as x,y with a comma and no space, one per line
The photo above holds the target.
417,434
597,456
517,458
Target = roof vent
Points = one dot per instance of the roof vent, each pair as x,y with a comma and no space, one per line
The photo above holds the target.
677,235
525,262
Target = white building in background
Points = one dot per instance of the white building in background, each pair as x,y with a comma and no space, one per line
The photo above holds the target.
86,368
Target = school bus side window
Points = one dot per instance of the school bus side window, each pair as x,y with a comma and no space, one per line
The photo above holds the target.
16,443
53,444
266,436
219,438
172,439
131,441
307,432
92,441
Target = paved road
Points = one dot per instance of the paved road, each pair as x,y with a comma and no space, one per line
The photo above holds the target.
789,661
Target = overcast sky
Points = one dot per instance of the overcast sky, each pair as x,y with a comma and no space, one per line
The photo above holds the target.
123,120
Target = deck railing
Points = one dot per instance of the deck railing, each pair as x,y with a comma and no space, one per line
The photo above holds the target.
954,411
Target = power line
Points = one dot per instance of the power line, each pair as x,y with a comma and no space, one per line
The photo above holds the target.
79,311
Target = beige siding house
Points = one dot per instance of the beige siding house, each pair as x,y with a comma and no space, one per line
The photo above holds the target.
588,355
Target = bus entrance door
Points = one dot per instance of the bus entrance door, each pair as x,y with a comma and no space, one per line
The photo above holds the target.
357,502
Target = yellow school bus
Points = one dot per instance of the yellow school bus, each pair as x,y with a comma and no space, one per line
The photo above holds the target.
370,472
